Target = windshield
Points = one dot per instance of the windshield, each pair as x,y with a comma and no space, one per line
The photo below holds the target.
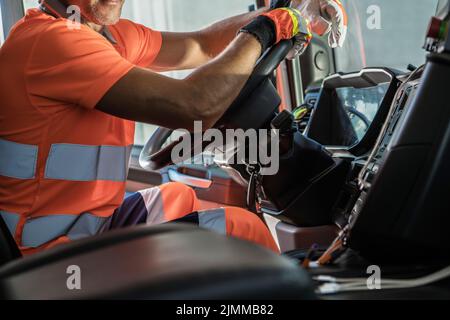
1,27
385,33
442,8
361,105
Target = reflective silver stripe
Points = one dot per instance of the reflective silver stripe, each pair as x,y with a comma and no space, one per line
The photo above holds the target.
154,204
87,225
87,163
11,220
39,231
17,160
213,220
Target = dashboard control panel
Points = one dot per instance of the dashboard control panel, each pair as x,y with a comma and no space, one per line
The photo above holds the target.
405,98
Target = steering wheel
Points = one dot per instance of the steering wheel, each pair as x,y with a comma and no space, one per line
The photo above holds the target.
361,116
243,113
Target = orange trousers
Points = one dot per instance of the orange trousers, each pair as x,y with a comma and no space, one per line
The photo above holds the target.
178,202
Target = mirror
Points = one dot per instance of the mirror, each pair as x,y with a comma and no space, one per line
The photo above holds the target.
347,107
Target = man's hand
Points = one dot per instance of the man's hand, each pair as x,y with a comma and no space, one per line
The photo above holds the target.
300,45
325,16
279,24
276,4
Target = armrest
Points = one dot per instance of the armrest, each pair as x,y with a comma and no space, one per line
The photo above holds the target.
162,262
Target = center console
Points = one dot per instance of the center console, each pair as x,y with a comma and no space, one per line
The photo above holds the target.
320,161
365,169
394,207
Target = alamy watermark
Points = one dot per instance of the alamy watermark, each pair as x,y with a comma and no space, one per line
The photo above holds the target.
374,280
74,17
374,17
373,21
73,281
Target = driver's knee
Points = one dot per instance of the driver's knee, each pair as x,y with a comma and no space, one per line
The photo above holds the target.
245,225
168,202
178,200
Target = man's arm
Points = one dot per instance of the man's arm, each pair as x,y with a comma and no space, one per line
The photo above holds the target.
190,50
148,97
145,96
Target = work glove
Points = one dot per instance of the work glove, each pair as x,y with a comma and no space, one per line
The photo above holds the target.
300,45
325,17
280,24
276,4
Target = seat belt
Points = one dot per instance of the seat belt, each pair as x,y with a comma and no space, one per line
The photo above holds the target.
57,9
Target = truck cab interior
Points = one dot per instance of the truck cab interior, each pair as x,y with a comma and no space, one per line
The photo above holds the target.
363,176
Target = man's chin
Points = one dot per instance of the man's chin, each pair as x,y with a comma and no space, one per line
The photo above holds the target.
110,22
106,16
104,21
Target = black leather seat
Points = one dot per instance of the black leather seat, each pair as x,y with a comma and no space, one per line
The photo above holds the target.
174,261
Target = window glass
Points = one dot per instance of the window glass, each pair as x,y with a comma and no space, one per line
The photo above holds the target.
30,4
442,7
2,35
361,105
178,16
385,33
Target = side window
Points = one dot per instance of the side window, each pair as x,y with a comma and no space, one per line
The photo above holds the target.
171,15
29,4
2,35
12,11
378,35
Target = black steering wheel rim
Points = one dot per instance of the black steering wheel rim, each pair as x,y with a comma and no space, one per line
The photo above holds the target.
359,115
152,157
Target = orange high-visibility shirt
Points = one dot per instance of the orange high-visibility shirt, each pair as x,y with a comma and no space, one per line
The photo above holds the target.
62,162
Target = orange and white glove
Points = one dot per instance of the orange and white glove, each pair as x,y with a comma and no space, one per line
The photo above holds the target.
300,45
325,17
280,24
289,23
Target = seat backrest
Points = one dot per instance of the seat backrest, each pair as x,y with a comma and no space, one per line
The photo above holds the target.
8,247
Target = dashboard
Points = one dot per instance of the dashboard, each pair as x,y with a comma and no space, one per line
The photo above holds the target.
404,100
365,169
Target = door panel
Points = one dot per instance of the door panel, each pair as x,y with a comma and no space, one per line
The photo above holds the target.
214,185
